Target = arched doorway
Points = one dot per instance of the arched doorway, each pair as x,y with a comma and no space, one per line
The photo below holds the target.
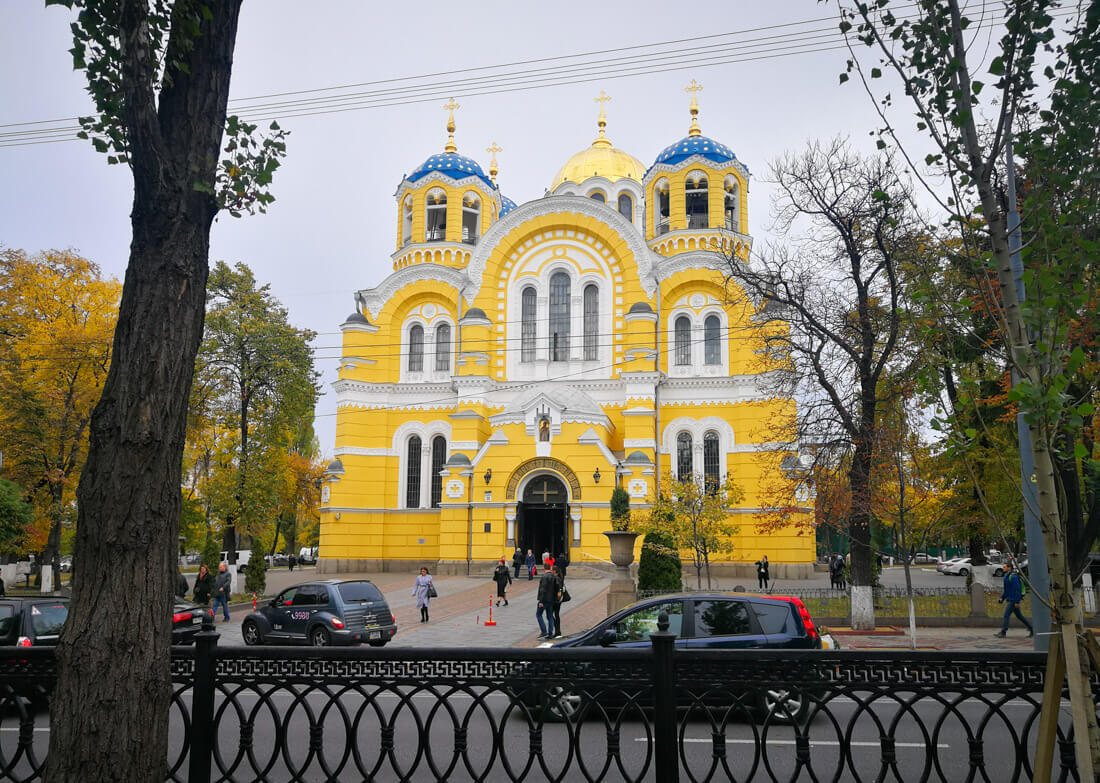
541,515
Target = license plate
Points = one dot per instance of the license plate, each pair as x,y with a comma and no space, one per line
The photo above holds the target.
376,635
196,621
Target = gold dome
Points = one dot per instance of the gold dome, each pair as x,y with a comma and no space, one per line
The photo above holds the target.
600,160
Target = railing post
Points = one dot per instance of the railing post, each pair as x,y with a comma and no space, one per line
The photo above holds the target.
665,749
202,704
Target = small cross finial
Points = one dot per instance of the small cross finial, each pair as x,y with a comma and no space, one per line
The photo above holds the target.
450,106
602,98
694,88
601,139
493,149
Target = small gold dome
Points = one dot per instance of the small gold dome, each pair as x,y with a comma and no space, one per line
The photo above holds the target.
600,160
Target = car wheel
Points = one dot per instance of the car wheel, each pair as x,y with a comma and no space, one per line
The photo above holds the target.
251,633
998,572
783,706
319,637
561,704
378,643
963,572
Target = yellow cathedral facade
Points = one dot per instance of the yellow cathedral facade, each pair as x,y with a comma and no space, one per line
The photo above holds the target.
522,361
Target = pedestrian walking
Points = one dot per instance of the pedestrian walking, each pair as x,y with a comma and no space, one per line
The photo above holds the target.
424,590
223,586
562,563
503,579
291,562
841,572
559,599
545,557
1011,595
529,561
204,586
547,594
181,583
832,572
517,560
763,573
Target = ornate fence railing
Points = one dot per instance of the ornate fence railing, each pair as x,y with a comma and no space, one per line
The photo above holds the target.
662,714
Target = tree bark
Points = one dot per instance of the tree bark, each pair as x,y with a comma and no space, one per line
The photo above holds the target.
109,714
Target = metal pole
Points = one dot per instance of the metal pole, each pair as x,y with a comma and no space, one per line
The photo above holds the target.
202,704
666,751
1036,548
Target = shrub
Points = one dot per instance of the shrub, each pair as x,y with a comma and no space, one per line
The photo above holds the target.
620,509
211,554
659,567
255,574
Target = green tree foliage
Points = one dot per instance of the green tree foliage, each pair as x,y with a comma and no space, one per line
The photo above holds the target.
255,573
620,509
659,567
16,517
211,554
255,372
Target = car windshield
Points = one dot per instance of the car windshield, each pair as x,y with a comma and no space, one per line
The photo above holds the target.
47,619
359,591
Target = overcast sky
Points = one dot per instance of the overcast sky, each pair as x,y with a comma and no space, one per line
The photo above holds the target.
331,230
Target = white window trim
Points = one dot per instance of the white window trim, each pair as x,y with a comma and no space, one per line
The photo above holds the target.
697,366
429,374
698,428
401,436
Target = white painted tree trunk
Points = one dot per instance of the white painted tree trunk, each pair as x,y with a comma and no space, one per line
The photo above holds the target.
863,608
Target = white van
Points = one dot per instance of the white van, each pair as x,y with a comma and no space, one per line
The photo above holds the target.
242,558
307,555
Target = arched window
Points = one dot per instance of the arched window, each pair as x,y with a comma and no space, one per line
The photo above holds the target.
683,340
412,473
471,218
598,195
732,204
591,321
436,227
443,347
626,206
559,317
712,344
439,456
695,200
528,325
416,348
660,207
407,221
710,462
684,468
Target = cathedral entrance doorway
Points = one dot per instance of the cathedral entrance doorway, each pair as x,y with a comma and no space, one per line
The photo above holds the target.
540,517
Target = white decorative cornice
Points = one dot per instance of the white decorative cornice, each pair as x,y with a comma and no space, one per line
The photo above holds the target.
374,299
474,320
359,451
694,259
560,205
650,316
446,179
351,326
697,160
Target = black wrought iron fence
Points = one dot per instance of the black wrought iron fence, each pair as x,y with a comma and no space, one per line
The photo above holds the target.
663,714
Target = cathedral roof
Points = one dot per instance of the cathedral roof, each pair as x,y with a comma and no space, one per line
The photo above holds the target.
600,160
452,165
506,205
695,145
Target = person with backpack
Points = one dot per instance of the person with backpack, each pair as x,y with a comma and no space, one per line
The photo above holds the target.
1011,595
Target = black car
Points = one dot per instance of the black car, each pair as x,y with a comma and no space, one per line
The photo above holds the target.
187,621
333,611
700,621
32,622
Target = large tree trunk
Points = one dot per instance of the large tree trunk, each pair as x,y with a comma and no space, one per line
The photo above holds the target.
109,714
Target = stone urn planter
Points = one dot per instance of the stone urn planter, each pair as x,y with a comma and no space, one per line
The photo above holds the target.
622,547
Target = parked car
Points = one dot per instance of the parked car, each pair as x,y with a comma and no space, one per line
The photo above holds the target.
333,611
700,621
243,556
923,558
32,622
942,566
187,621
66,565
959,567
307,555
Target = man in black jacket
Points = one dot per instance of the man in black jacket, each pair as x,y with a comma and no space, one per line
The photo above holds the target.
223,586
548,590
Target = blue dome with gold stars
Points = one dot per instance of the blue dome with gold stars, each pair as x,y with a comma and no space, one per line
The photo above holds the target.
695,145
506,205
452,165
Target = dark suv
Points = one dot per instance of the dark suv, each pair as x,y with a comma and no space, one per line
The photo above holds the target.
333,611
32,622
708,620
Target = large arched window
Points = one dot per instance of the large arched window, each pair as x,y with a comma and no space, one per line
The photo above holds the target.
712,343
407,221
591,322
684,467
412,473
528,325
436,227
682,347
626,206
695,200
598,195
732,204
559,317
710,461
416,348
439,456
660,207
471,218
443,347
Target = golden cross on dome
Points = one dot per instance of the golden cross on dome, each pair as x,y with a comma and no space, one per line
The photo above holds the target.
493,149
601,139
694,89
450,106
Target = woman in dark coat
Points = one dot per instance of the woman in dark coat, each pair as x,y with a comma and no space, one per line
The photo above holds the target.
503,579
204,585
560,578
